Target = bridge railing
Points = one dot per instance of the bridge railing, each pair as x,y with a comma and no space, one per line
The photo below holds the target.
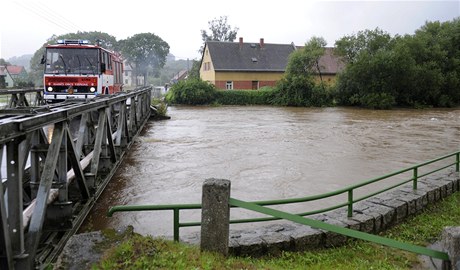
417,171
13,98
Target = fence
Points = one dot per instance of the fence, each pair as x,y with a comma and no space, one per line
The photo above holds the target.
416,175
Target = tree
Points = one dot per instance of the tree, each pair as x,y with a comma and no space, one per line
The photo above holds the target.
220,31
3,62
436,54
303,62
373,69
2,82
94,37
414,70
369,41
194,72
296,87
145,50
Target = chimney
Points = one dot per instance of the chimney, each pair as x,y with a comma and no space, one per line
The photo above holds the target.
241,42
262,44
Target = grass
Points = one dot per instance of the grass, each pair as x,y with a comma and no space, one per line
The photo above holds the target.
140,252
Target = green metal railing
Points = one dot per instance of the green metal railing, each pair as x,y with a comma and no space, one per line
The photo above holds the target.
176,208
341,230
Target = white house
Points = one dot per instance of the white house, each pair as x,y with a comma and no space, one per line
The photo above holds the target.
128,76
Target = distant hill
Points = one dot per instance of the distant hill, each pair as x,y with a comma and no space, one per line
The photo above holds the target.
23,60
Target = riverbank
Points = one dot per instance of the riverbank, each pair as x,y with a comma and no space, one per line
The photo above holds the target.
133,251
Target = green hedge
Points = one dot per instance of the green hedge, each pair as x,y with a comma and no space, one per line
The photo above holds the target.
199,92
245,97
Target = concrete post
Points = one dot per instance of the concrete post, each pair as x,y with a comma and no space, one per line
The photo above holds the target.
450,243
215,216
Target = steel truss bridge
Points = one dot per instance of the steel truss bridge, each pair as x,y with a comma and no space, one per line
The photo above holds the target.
56,160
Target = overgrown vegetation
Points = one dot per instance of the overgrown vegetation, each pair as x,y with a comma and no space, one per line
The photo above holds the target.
296,87
160,105
149,253
414,70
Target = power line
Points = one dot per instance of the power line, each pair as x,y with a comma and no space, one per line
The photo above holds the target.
44,17
51,13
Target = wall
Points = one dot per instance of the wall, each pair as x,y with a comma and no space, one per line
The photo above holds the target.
372,215
243,80
240,85
329,79
207,75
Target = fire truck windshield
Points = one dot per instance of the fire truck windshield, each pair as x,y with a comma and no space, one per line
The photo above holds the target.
72,61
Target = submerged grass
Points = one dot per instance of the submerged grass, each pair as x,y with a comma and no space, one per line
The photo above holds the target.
141,252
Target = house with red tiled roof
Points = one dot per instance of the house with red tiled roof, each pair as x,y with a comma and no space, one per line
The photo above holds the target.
180,76
243,65
17,72
13,74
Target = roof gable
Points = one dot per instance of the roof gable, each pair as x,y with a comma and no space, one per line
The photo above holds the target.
15,70
235,56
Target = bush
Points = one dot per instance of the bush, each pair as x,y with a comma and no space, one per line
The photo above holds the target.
374,100
192,92
294,91
322,95
161,106
263,96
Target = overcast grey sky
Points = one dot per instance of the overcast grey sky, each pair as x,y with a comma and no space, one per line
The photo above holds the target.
27,24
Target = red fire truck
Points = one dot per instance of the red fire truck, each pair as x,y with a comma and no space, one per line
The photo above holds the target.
74,69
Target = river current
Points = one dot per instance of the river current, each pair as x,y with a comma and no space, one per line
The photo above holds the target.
267,153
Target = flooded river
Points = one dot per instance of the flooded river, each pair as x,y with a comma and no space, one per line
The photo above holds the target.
267,153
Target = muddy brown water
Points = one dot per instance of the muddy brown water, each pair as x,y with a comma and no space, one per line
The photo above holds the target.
268,153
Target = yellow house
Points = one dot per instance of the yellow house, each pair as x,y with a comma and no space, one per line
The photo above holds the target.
240,65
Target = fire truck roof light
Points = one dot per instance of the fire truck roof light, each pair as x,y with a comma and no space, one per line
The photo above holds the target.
72,41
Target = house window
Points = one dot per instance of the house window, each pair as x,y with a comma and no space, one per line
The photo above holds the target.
255,85
207,66
229,85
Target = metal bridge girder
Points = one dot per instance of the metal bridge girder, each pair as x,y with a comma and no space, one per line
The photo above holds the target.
36,223
45,152
6,249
